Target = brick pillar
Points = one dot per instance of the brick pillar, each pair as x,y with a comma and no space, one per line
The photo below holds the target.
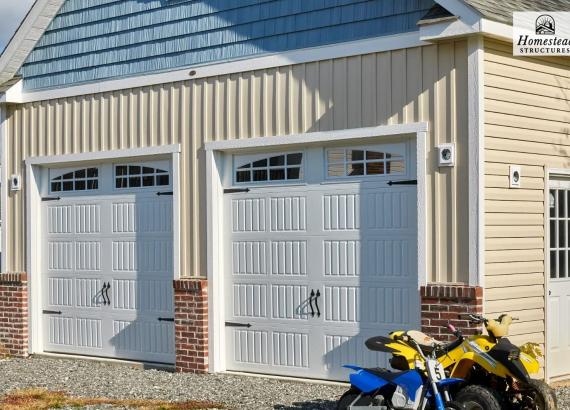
14,314
191,325
443,303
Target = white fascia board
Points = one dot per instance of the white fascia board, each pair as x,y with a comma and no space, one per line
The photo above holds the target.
500,31
318,137
346,49
459,28
24,40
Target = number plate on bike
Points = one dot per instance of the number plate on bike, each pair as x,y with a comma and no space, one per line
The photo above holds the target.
437,370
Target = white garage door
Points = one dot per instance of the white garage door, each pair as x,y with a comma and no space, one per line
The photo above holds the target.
107,262
323,256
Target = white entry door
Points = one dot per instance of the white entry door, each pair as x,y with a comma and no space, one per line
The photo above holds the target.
323,256
107,263
559,288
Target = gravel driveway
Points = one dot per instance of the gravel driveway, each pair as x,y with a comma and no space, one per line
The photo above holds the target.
83,378
96,379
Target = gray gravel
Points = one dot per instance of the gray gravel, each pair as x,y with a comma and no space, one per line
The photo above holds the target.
83,378
563,394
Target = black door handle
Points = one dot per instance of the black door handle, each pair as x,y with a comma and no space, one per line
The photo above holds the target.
317,302
311,303
107,293
103,293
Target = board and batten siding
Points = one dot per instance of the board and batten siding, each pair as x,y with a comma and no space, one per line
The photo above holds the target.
403,86
527,123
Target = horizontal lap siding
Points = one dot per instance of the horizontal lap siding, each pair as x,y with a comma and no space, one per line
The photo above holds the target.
527,104
404,86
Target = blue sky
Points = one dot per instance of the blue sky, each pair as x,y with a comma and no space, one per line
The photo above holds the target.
11,14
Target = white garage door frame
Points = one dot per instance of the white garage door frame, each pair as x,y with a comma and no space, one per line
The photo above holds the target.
215,209
34,168
550,175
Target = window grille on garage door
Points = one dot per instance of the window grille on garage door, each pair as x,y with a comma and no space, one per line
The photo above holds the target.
84,179
558,227
365,161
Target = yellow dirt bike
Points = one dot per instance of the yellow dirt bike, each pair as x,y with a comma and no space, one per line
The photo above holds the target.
497,373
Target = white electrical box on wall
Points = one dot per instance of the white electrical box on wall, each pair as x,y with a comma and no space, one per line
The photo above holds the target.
446,155
515,176
15,183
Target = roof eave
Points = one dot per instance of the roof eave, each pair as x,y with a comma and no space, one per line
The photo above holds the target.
24,40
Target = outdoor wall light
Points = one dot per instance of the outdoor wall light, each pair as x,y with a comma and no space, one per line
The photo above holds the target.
515,176
446,156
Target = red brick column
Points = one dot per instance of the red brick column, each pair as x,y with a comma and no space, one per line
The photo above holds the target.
14,314
191,325
443,303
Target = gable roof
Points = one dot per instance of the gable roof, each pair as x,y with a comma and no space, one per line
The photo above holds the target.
502,10
43,12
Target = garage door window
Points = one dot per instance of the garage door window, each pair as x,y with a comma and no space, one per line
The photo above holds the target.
137,176
86,179
360,162
274,168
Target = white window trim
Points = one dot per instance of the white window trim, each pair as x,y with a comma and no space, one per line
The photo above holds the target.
34,170
215,209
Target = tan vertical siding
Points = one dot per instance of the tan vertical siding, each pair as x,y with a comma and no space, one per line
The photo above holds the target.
527,104
403,86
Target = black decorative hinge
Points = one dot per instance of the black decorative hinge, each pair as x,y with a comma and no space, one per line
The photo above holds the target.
169,193
51,312
235,190
234,324
166,319
406,182
52,198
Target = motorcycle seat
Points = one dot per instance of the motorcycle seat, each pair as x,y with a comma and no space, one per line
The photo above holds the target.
426,343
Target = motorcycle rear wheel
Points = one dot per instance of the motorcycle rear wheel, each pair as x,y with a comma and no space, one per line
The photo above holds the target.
539,397
476,397
351,398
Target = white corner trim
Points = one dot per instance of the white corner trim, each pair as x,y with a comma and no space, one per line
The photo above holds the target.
476,154
345,49
3,187
33,247
318,137
215,211
104,155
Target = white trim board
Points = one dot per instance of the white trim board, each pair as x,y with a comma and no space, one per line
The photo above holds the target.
318,137
3,187
103,155
33,219
345,49
476,152
215,210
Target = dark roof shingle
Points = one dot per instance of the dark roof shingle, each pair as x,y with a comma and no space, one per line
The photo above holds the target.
502,10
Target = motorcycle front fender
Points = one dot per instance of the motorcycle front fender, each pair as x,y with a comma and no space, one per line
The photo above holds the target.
364,381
